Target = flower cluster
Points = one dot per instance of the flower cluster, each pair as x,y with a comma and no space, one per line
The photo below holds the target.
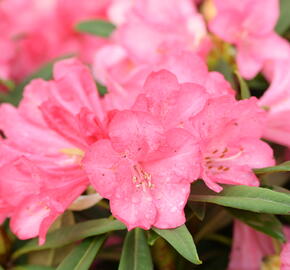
142,159
165,122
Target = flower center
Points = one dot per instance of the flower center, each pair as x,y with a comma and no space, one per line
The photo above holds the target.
141,179
218,159
75,155
271,263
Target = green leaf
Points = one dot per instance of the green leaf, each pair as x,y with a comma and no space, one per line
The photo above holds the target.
44,72
181,240
253,199
244,89
152,237
198,209
96,27
32,267
284,20
136,253
83,255
265,223
73,233
224,68
9,84
15,95
283,167
102,89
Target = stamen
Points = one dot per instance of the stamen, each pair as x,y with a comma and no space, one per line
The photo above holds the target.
72,152
230,157
142,178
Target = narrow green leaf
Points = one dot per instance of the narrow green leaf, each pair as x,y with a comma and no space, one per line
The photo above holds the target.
152,237
9,84
284,20
198,209
83,255
253,199
265,223
181,240
96,27
32,267
73,233
283,167
1,268
136,253
244,89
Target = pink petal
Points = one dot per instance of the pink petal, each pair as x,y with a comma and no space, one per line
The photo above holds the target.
135,210
33,138
179,102
137,133
75,87
19,178
262,16
249,248
228,25
100,163
170,199
178,160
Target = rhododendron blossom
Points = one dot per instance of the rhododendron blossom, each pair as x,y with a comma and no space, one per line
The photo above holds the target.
31,47
254,250
229,150
125,79
34,198
52,141
276,101
249,26
144,170
151,117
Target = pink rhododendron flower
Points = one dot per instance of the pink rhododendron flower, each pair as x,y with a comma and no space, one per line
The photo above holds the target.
148,25
46,136
172,103
144,170
249,26
253,250
285,253
32,47
125,79
35,198
229,150
277,102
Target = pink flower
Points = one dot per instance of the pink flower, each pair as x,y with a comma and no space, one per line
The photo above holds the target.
251,250
143,170
36,197
229,150
46,136
32,47
172,103
125,79
285,254
249,26
277,102
159,28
